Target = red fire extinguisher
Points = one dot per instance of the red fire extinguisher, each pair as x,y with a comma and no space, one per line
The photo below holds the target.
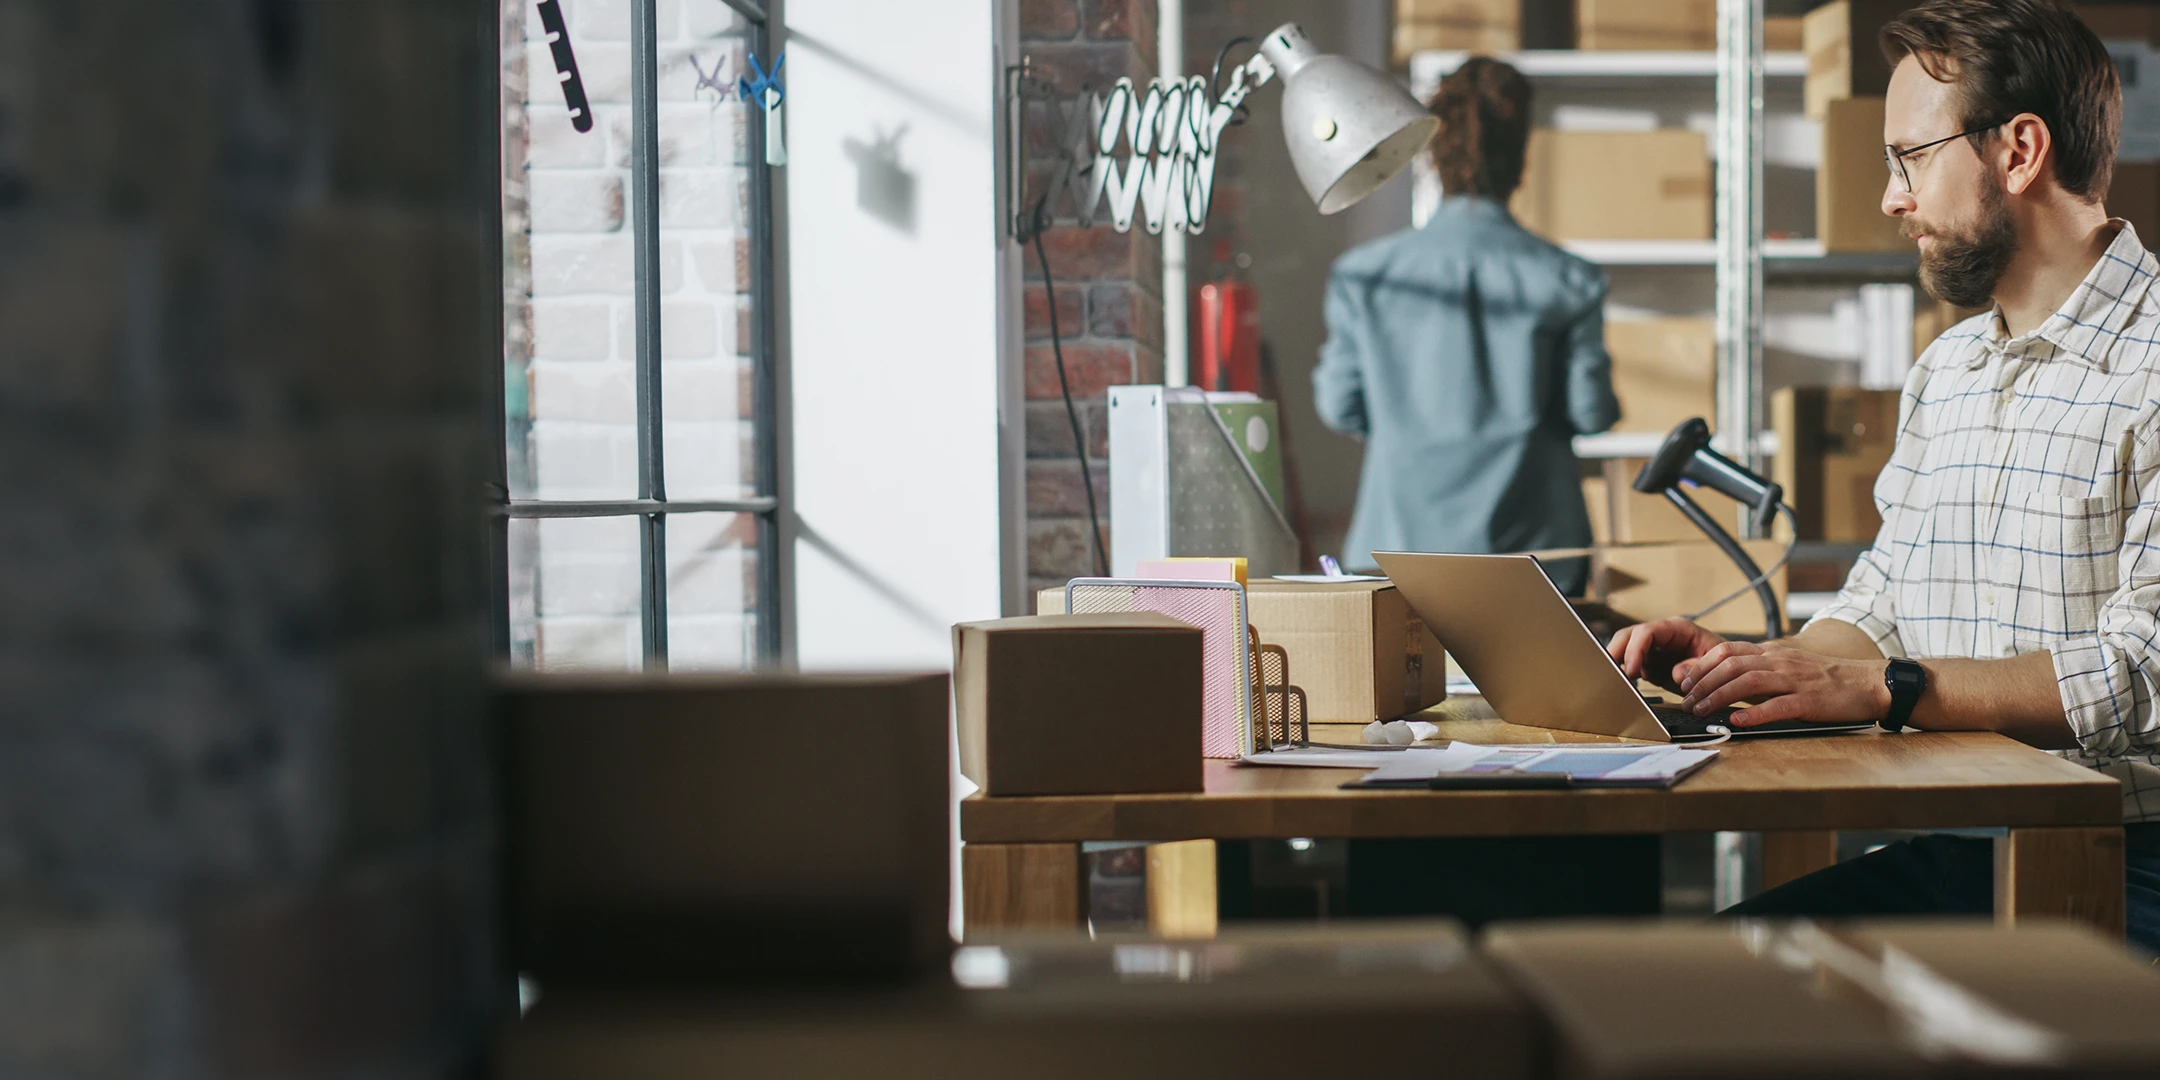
1228,357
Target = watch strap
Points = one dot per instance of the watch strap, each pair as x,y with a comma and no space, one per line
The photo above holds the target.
1907,681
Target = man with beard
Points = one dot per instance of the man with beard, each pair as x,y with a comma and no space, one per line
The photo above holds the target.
2019,556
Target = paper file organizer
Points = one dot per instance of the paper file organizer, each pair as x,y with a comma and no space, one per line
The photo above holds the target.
1218,608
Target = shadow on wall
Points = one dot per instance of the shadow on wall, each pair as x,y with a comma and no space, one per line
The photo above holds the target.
883,188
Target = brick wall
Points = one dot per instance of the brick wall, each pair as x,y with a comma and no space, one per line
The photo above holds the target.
575,582
1109,293
247,288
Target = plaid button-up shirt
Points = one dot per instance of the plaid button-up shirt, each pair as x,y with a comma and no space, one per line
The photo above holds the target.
2021,512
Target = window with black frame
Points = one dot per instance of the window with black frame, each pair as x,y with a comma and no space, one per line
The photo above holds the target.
638,507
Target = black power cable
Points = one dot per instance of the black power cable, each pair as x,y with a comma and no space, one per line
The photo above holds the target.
1057,352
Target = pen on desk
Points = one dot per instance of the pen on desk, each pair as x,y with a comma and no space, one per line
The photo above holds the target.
1330,567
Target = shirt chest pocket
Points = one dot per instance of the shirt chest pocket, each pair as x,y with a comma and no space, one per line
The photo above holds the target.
2053,564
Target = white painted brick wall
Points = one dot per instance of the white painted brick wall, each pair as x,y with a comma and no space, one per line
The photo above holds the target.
583,439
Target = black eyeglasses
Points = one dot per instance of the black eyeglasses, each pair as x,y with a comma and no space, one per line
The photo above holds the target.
1895,158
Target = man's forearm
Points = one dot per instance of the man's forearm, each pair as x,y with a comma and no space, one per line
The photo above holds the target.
2017,696
1831,637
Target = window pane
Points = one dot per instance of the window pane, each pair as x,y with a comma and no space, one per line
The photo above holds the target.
568,269
704,217
712,591
574,594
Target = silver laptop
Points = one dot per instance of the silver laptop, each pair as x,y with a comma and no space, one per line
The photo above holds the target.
1516,637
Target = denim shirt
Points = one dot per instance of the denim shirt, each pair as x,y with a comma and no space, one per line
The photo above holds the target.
1467,354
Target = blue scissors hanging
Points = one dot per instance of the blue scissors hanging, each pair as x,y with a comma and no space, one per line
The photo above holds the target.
767,93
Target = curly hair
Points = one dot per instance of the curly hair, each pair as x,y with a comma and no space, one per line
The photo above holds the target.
2008,57
1484,111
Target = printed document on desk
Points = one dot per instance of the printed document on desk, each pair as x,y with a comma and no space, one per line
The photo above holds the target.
1587,766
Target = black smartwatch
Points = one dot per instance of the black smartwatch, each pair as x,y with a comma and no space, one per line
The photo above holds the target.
1907,680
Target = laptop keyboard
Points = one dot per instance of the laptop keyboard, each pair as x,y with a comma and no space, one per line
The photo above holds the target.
1683,724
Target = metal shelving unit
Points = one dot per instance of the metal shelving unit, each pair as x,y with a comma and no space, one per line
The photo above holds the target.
1745,261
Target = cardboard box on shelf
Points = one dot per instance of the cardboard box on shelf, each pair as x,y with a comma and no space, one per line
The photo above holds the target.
1843,57
1079,704
1633,517
2135,197
1646,24
1356,649
1930,320
1616,185
1484,26
650,819
1832,444
1784,33
1664,371
1849,184
1656,581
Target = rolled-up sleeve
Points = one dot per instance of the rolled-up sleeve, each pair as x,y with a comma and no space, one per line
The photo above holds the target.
1866,600
1592,406
2107,680
1339,379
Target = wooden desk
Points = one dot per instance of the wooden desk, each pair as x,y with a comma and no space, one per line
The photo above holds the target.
2061,857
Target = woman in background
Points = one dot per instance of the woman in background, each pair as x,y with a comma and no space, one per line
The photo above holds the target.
1467,354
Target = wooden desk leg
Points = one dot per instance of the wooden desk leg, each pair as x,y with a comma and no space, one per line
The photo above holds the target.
1790,855
2074,874
1023,887
1181,889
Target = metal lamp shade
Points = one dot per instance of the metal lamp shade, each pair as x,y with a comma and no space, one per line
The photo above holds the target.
1349,128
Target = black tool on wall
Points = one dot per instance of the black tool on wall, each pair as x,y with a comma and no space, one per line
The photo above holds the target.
1685,459
573,87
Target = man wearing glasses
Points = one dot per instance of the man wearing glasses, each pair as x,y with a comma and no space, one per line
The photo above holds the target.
2019,558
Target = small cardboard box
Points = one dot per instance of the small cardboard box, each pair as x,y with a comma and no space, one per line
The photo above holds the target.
1657,581
1664,371
1356,649
1843,57
1616,185
1832,444
1849,186
1079,704
1481,26
728,831
1646,24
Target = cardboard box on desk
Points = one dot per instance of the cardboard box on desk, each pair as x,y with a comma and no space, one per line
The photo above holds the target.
1660,25
1101,704
1663,371
2060,1000
1832,444
1615,185
1656,581
1483,26
728,831
1356,649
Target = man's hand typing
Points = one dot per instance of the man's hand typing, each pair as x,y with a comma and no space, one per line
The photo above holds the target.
1791,684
